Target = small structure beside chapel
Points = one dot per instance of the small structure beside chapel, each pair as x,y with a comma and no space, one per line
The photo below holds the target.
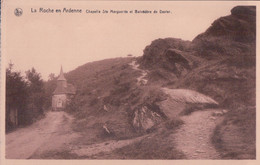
63,93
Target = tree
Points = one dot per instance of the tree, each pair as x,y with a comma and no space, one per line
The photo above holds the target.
51,77
36,92
34,80
16,95
24,95
49,87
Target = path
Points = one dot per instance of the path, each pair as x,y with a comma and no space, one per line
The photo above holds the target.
141,79
50,133
193,138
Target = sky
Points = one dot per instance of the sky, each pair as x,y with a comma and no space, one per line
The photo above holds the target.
46,41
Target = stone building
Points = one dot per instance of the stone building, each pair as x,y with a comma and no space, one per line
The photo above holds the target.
63,93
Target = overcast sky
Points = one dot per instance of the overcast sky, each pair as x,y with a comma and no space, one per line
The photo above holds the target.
47,41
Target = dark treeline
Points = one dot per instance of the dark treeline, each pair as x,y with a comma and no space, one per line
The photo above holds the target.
27,97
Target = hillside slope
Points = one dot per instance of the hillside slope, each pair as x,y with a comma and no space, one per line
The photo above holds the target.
217,66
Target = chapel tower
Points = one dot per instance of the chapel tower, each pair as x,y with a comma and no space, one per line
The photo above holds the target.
63,93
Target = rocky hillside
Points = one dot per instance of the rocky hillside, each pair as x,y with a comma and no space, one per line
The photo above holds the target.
117,99
221,63
225,52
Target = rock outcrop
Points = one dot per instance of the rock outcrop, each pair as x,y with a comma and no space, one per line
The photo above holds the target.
229,35
154,53
145,118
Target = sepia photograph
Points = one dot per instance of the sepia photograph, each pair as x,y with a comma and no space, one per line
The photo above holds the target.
128,80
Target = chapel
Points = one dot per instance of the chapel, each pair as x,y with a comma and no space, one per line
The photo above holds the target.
63,93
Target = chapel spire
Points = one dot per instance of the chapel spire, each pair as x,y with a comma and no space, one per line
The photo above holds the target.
61,76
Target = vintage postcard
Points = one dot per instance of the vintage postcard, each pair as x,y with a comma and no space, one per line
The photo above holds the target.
139,82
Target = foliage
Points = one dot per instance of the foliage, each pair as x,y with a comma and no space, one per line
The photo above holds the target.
36,91
49,87
24,94
16,94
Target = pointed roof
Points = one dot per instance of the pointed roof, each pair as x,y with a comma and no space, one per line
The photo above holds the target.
70,89
62,88
61,77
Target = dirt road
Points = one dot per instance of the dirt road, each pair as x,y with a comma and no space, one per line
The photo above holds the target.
51,133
